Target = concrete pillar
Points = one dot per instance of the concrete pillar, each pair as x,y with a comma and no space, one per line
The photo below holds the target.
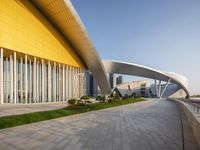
30,81
21,79
84,82
17,89
59,87
49,81
159,90
54,82
34,80
75,78
1,78
156,91
45,82
37,76
26,80
74,82
40,82
66,83
42,68
11,79
79,82
70,81
7,77
81,86
78,87
63,83
15,79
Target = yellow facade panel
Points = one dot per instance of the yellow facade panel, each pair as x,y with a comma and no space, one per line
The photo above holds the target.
24,29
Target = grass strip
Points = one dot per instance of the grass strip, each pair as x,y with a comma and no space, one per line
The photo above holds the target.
16,120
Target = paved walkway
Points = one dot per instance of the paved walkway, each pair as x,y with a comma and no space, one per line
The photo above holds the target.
15,109
149,125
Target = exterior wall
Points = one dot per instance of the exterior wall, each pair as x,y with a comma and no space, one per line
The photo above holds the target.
24,29
27,79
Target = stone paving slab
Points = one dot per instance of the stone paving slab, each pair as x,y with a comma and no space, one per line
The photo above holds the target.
148,125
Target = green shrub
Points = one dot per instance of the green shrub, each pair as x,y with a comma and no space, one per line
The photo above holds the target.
110,100
72,101
98,98
101,98
85,97
88,102
80,102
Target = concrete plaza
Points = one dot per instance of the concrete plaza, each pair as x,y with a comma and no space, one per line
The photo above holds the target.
148,125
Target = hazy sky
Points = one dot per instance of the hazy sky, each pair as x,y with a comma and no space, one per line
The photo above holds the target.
162,34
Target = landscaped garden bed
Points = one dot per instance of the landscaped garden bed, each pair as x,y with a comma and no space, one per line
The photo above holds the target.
16,120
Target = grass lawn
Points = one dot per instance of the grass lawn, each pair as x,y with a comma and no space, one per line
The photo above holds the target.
16,120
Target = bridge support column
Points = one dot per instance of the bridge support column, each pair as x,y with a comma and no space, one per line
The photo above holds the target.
156,88
159,88
165,88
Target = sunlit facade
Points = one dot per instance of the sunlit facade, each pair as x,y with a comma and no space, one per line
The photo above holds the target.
37,63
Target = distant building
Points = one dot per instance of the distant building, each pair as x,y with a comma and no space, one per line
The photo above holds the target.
136,88
119,80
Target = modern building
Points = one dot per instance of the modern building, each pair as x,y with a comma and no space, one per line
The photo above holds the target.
135,88
142,88
45,52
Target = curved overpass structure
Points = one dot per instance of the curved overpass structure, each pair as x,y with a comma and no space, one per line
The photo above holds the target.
147,72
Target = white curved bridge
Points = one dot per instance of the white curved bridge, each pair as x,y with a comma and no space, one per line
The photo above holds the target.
143,71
